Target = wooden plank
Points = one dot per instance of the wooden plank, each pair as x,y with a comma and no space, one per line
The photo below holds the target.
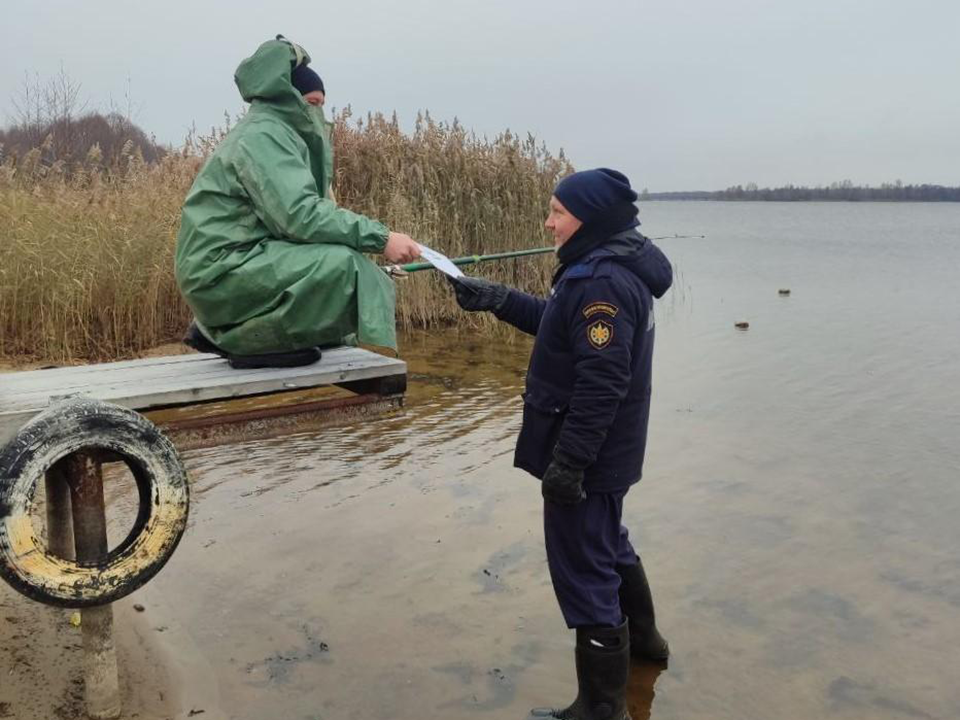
176,364
28,376
223,378
180,380
299,419
147,392
379,385
144,391
24,384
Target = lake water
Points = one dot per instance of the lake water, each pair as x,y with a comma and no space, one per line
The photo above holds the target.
799,515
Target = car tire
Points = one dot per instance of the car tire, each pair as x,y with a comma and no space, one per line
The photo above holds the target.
83,424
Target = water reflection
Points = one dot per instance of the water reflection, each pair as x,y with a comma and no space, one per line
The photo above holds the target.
476,403
640,689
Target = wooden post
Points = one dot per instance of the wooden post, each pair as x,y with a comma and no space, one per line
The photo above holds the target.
101,682
59,518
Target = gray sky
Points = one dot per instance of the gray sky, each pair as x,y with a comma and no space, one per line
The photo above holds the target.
695,94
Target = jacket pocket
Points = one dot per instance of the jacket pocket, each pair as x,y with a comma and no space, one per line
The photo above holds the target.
543,416
546,399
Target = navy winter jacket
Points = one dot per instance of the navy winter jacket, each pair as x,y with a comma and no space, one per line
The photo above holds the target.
588,384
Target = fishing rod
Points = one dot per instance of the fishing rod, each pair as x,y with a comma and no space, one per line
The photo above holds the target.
465,260
400,270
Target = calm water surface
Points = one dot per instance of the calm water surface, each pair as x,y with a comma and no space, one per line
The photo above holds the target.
798,515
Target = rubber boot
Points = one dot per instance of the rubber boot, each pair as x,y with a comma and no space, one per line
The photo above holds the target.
636,602
603,666
294,358
195,338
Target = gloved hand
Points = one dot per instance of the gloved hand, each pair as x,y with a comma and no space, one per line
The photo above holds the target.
562,483
475,294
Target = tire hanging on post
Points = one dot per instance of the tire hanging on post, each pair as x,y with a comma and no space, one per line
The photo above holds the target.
90,425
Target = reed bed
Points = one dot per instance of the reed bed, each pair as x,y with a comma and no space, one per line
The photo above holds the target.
86,251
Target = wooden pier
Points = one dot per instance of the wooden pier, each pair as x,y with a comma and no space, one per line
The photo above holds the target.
193,397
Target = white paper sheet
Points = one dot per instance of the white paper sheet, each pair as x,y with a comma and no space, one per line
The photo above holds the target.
440,261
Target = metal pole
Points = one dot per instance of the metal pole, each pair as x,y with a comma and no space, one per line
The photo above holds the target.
59,518
101,681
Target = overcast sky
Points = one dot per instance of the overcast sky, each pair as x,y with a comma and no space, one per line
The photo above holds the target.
694,94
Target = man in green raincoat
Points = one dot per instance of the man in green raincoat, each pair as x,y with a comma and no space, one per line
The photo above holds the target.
266,260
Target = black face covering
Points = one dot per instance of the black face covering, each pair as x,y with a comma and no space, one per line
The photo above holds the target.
622,216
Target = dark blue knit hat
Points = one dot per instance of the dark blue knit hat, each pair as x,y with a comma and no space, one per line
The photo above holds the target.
306,80
587,194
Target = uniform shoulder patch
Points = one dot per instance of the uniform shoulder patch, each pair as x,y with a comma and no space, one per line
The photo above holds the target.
599,334
600,307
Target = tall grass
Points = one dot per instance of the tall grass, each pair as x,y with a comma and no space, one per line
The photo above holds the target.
86,256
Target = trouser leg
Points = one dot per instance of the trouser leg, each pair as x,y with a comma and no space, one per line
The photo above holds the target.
583,546
626,555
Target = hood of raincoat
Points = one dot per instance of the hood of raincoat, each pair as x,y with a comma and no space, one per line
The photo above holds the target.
266,73
637,253
265,76
263,80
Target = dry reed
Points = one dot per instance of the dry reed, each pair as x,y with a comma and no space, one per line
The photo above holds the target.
86,256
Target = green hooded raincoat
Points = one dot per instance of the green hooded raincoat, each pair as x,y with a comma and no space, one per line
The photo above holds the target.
265,259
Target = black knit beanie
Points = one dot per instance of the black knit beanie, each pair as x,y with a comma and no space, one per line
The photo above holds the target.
587,194
306,80
603,201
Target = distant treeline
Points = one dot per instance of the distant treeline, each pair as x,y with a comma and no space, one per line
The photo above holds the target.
52,126
94,139
840,191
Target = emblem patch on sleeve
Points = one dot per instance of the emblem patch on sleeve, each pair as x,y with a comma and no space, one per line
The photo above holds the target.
600,307
599,334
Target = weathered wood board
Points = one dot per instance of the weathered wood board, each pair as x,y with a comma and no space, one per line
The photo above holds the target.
179,380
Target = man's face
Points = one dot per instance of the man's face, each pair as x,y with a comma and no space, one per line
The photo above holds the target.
561,222
315,98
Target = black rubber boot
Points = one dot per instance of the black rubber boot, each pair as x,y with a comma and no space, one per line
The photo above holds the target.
294,358
195,338
636,602
603,666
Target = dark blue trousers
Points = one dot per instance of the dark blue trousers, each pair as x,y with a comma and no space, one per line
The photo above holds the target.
585,544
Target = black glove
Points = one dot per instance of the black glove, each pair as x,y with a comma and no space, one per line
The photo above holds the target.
562,483
475,294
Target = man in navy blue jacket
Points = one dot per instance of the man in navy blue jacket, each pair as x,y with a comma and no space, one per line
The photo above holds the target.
585,413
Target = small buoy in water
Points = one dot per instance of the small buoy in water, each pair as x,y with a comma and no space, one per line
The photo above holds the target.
741,324
784,291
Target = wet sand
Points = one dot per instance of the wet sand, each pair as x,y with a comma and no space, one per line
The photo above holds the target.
40,656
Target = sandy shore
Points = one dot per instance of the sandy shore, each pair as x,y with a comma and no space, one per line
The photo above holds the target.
40,653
